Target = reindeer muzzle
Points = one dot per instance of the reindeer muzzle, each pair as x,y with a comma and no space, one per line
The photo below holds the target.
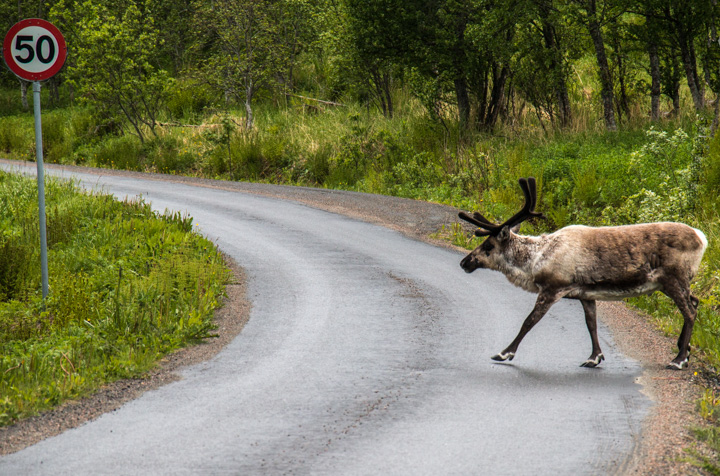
468,264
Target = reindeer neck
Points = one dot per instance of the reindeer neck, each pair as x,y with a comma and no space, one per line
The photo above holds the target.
518,260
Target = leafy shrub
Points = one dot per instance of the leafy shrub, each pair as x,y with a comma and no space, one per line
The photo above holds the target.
664,169
10,101
166,154
17,136
411,177
654,166
125,152
189,99
57,140
315,167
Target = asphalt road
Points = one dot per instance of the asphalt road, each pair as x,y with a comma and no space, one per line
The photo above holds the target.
366,352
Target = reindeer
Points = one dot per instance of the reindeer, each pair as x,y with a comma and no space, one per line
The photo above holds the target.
590,264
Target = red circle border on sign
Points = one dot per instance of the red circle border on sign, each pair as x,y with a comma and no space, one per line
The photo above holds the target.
15,68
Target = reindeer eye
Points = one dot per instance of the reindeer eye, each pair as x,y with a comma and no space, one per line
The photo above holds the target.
487,247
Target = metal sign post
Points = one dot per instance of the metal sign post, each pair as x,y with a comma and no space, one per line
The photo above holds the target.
41,189
35,50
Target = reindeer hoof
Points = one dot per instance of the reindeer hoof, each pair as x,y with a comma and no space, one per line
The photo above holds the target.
503,357
678,365
592,363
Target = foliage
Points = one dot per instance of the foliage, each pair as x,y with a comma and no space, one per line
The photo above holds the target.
127,286
115,62
246,50
708,407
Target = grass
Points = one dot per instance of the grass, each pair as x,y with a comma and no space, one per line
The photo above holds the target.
705,456
127,287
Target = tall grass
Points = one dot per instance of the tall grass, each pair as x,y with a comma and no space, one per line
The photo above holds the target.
127,286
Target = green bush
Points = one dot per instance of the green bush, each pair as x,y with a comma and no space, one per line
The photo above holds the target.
314,166
711,170
166,154
17,136
57,136
124,152
189,99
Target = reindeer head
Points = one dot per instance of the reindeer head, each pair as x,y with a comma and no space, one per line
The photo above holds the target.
492,251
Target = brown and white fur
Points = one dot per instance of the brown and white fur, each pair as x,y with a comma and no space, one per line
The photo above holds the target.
590,264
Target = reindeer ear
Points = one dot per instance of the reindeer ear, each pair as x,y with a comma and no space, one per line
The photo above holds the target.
504,234
516,228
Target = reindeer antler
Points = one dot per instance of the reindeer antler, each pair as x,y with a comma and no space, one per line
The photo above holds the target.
527,212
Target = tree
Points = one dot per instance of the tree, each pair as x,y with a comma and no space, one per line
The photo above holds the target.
297,31
593,18
245,49
687,19
177,34
460,52
378,33
710,57
541,67
683,21
115,55
652,37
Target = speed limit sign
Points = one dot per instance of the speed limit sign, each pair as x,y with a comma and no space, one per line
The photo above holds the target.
34,49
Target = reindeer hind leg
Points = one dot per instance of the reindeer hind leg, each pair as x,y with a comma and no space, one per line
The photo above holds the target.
597,356
688,305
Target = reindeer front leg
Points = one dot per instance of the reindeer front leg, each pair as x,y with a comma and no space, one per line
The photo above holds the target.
543,303
591,320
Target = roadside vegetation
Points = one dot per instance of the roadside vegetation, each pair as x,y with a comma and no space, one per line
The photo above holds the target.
127,287
611,104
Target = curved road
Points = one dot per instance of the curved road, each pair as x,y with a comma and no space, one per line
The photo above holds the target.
366,352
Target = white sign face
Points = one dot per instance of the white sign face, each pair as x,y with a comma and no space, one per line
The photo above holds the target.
34,49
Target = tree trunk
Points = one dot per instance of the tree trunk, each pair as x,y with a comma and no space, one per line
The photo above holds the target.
387,91
23,94
463,100
382,83
671,74
699,82
676,99
54,91
496,96
622,105
687,54
249,118
563,100
481,94
605,77
655,89
556,65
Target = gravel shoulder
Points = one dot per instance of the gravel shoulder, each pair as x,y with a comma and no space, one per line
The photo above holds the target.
659,449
